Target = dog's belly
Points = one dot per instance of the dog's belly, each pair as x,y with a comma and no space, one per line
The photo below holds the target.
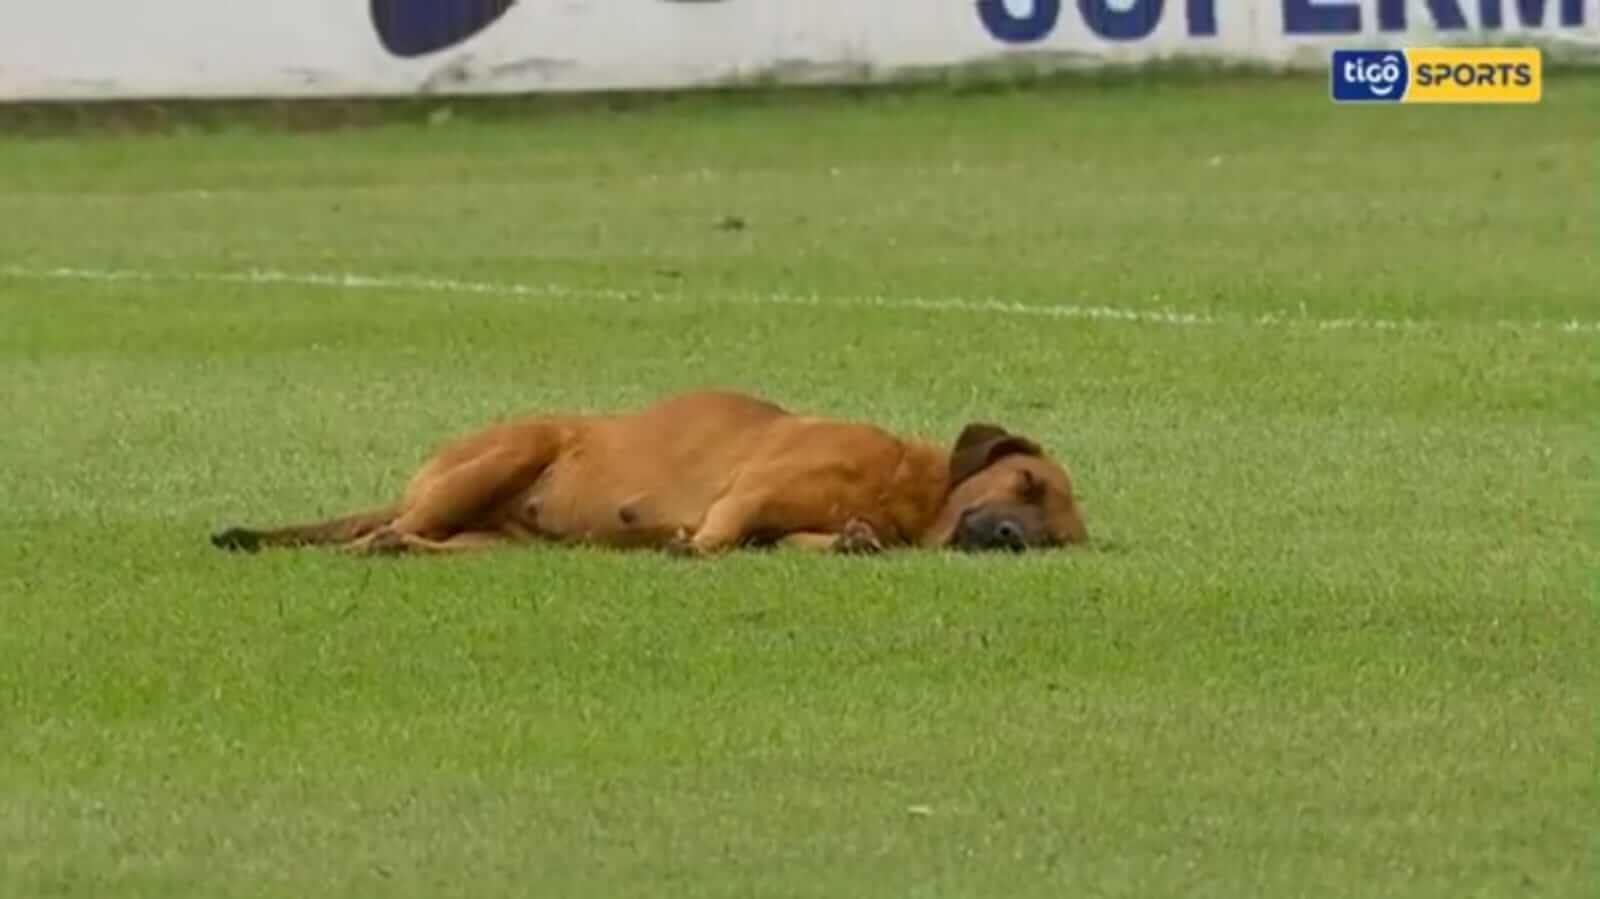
640,481
575,502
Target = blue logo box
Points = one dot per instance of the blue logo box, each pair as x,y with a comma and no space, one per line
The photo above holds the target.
1369,76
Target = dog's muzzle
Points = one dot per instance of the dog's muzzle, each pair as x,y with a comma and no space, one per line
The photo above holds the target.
983,530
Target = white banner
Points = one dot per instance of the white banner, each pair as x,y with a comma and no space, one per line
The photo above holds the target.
85,49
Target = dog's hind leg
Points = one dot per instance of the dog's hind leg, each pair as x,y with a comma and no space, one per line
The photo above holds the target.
324,533
464,496
458,492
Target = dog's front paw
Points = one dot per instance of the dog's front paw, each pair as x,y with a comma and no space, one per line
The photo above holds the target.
682,546
858,538
237,540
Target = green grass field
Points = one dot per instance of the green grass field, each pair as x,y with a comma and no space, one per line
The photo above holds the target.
1328,379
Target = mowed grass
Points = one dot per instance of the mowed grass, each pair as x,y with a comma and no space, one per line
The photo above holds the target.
1337,638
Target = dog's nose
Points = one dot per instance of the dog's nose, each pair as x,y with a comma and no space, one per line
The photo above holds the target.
1008,535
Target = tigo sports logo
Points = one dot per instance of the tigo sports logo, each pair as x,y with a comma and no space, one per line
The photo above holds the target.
1476,75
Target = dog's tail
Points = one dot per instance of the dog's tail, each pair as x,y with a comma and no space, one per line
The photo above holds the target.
323,533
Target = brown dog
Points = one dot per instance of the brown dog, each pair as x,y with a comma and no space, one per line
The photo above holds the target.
706,472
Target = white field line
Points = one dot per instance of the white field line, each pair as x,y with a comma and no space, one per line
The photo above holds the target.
563,293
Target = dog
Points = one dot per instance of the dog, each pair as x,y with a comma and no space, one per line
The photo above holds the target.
705,472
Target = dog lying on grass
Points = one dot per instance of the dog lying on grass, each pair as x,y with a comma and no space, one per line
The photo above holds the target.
706,472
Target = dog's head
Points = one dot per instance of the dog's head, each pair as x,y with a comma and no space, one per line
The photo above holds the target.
1006,493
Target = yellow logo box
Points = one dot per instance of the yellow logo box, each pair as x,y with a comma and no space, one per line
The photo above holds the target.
1474,75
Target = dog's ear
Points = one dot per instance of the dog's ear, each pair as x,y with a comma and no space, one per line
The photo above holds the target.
981,445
